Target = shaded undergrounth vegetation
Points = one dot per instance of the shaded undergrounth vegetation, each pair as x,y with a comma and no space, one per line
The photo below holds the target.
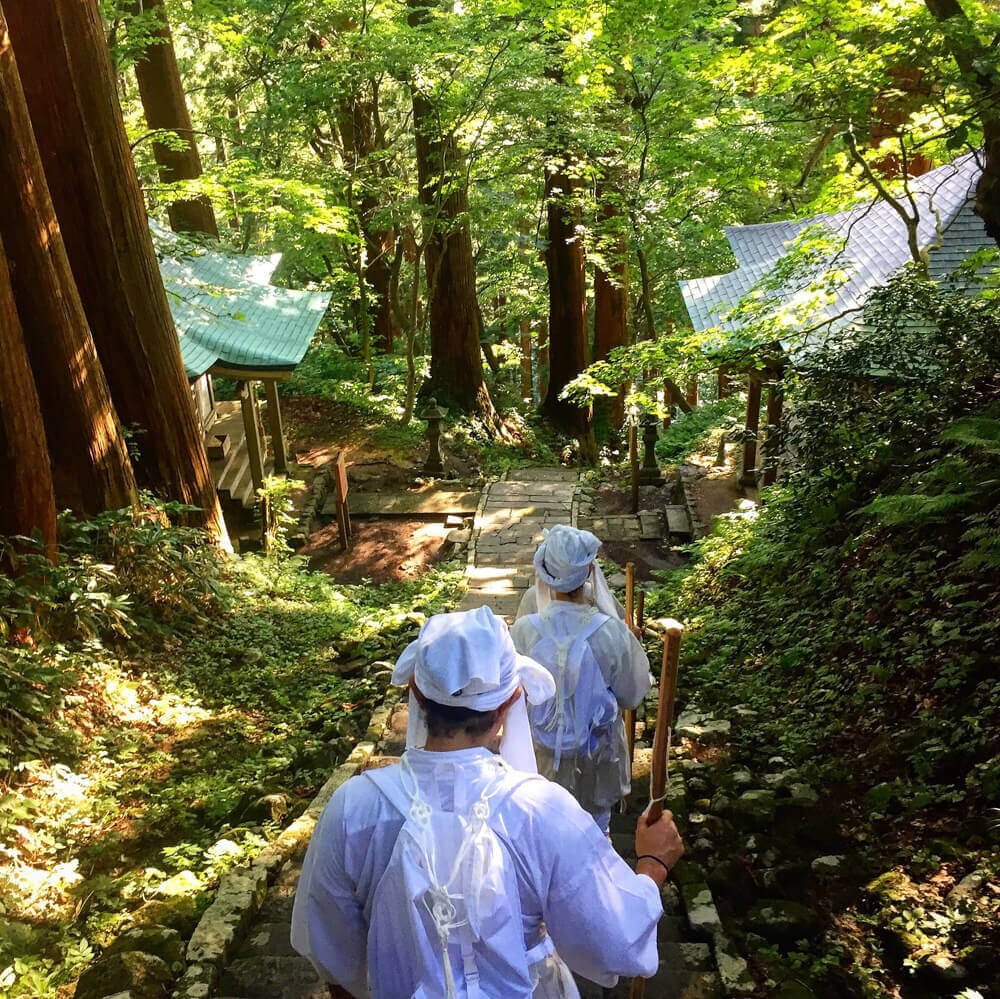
849,629
165,711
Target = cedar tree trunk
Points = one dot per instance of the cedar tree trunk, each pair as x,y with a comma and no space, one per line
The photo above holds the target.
90,464
27,501
455,321
165,108
66,70
568,346
611,290
356,125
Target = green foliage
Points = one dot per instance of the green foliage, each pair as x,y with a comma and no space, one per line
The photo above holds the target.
155,691
702,428
858,606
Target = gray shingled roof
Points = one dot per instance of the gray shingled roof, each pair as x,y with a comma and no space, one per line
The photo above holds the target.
875,247
227,312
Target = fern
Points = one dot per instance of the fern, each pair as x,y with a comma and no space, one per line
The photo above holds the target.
915,508
975,431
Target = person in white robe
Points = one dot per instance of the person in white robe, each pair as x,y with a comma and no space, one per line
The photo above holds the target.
580,741
459,871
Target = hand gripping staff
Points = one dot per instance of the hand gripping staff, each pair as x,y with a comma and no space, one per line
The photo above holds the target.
672,631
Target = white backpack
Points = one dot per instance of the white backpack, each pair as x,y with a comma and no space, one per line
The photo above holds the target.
445,918
578,720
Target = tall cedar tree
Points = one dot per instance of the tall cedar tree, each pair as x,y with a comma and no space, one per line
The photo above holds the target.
360,137
91,470
27,500
975,62
611,286
569,351
69,83
359,141
455,321
165,108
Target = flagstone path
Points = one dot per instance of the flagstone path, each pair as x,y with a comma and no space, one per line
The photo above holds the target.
510,517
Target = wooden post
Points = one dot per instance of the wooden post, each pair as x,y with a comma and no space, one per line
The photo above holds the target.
775,399
526,359
251,428
340,485
633,461
672,631
725,382
277,429
692,392
749,476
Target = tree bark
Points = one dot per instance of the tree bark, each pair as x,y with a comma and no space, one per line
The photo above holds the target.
68,81
611,290
973,59
569,352
456,375
165,108
27,500
359,141
91,470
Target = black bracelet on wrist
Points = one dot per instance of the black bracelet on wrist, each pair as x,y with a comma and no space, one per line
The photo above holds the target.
649,856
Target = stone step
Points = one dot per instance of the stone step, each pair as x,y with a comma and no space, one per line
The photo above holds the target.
268,940
277,907
668,983
272,978
678,522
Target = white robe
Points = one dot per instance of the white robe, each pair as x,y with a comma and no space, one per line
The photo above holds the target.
601,916
529,602
625,668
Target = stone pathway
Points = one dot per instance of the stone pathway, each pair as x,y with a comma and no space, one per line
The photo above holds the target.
508,527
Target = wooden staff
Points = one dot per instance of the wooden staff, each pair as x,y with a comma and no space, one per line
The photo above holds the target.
672,631
664,720
630,621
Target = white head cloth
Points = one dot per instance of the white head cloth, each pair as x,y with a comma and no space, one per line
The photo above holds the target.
467,659
564,561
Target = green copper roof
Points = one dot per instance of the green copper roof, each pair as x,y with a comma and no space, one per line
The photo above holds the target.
227,312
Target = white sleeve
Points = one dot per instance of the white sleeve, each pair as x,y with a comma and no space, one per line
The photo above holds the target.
623,661
328,925
602,916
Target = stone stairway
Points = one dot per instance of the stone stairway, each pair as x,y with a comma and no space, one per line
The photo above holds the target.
508,527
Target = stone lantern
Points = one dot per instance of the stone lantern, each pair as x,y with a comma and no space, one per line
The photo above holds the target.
433,414
650,474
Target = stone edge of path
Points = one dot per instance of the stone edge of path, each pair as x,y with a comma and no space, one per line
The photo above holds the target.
477,521
224,924
700,909
698,529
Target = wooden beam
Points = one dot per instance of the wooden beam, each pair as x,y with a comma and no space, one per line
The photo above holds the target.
248,374
276,427
749,476
251,427
775,400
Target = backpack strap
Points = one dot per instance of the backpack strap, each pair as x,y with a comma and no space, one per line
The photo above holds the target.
391,783
391,787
